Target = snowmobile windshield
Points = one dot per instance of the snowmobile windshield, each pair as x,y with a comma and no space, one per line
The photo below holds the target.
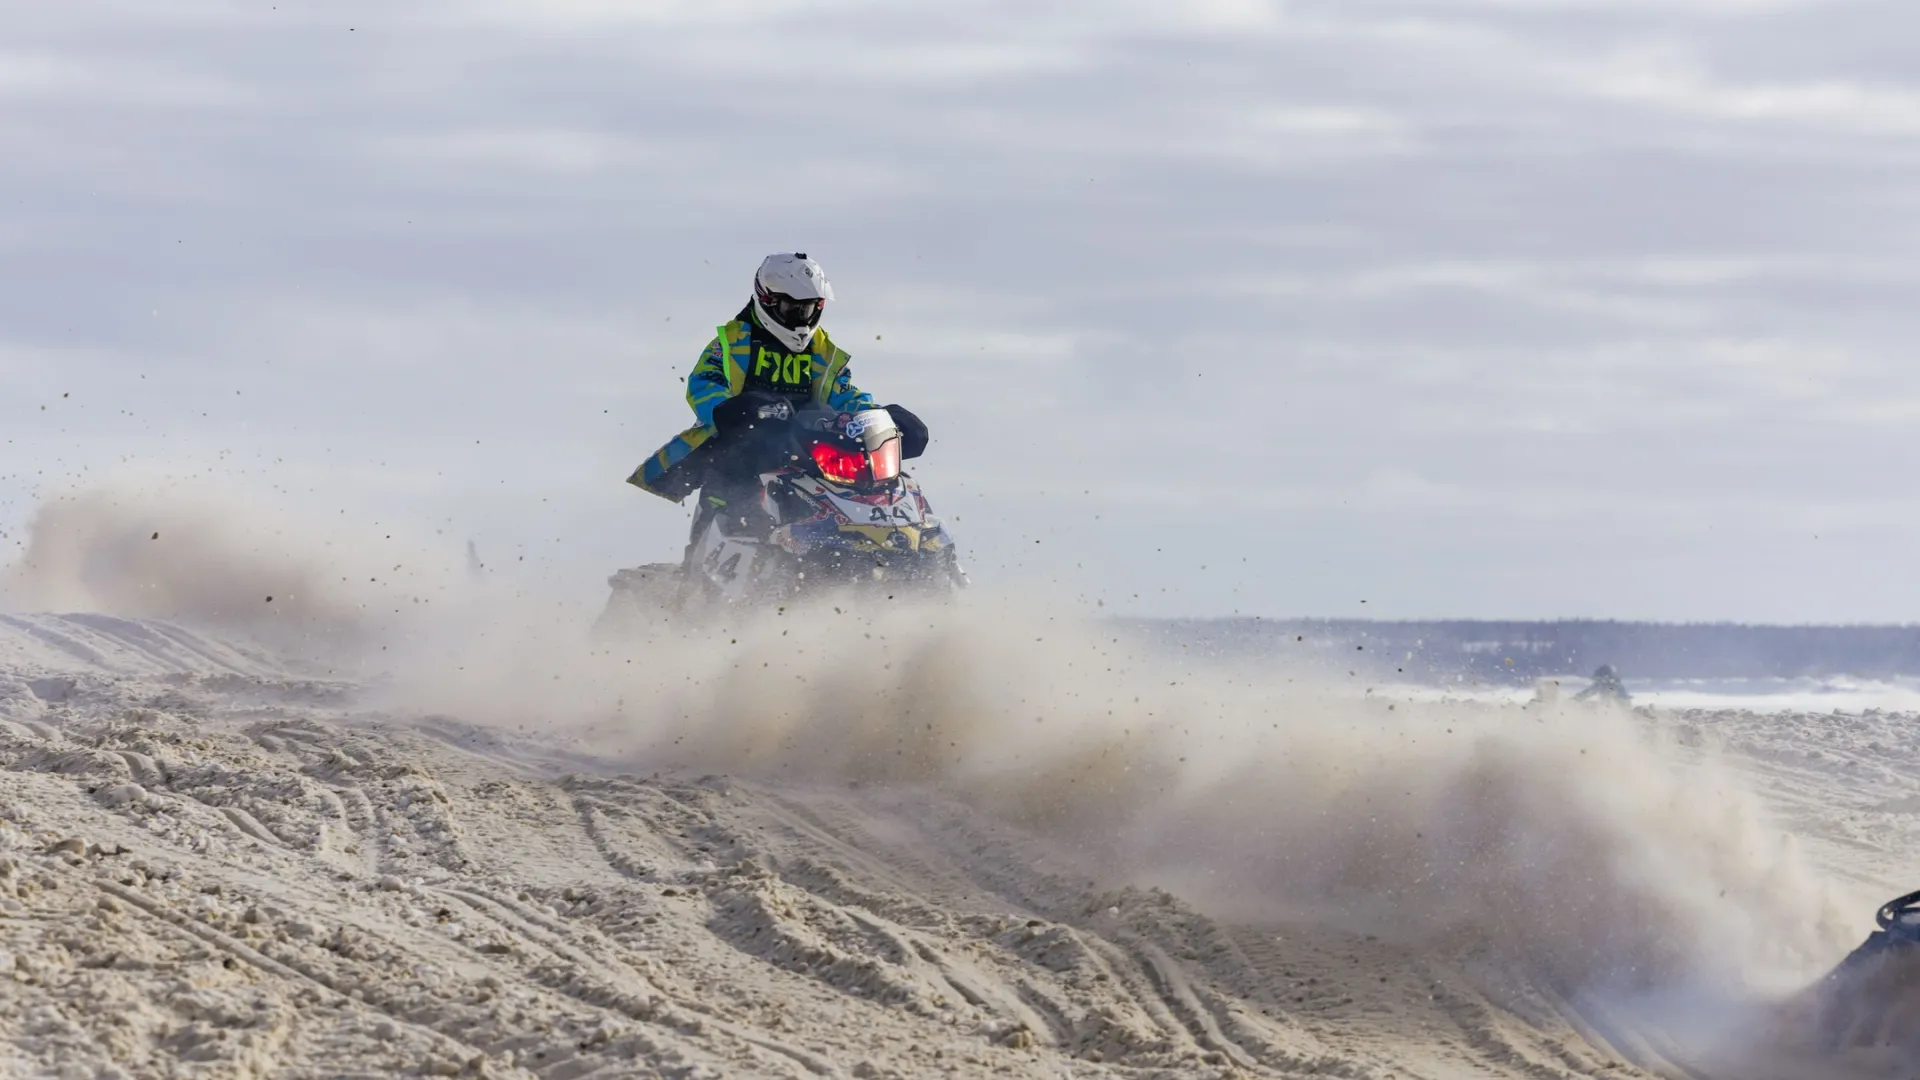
880,436
886,460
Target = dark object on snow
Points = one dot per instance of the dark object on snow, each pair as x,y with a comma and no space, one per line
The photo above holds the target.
1606,685
1899,924
1871,1000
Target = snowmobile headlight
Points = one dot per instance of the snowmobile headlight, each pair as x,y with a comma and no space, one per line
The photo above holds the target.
840,466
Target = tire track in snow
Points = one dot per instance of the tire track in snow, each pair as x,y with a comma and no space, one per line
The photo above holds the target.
593,981
343,994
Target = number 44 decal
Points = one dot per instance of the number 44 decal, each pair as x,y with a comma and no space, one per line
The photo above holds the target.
725,569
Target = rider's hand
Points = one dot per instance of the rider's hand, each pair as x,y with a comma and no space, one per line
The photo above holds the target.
732,414
743,411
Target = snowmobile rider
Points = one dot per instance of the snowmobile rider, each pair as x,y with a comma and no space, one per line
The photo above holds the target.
775,347
1605,686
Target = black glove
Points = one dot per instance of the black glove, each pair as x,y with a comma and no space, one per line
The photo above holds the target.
913,433
743,411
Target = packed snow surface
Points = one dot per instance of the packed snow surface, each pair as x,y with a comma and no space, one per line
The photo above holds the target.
391,823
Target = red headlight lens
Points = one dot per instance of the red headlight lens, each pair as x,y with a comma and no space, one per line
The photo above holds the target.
840,466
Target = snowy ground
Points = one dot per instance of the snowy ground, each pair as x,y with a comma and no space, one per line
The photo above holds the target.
215,864
1831,695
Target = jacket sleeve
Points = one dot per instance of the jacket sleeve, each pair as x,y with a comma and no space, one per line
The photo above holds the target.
843,396
714,380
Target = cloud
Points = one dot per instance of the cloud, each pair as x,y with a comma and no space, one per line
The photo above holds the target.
1674,79
536,150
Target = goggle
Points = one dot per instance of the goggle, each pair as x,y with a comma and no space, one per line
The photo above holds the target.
791,312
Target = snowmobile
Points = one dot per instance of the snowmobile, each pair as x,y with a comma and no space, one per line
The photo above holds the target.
1871,1000
832,510
1899,922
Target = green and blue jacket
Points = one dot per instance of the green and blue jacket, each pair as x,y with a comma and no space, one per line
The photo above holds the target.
742,357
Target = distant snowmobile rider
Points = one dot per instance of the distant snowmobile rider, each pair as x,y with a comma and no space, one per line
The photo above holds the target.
1605,686
775,347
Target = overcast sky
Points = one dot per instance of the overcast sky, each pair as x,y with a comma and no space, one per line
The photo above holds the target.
1451,307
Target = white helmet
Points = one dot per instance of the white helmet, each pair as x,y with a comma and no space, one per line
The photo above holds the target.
789,293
